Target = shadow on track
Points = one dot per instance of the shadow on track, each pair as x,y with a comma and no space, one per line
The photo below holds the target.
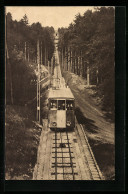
89,124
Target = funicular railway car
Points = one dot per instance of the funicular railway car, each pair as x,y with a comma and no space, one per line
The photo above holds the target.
61,105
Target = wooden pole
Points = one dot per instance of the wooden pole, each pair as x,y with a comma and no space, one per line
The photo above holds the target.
38,83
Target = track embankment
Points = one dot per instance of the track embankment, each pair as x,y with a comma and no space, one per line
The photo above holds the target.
100,132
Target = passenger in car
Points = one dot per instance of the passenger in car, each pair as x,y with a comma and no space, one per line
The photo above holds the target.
53,105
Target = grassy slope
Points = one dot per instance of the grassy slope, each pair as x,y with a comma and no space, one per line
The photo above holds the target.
21,143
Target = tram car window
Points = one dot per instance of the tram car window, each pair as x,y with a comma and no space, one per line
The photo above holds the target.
53,105
69,104
61,104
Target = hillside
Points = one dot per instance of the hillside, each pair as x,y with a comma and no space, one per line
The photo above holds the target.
99,129
22,139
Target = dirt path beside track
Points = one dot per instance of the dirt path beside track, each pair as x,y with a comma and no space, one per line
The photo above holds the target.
100,132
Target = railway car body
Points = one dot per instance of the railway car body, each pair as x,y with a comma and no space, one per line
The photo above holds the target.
61,105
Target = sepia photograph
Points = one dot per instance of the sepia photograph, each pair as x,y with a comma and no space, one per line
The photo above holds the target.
60,93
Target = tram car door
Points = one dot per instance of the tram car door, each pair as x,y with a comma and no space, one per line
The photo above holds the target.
57,114
52,119
61,114
70,116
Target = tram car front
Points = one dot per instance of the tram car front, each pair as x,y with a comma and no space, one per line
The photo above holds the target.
61,105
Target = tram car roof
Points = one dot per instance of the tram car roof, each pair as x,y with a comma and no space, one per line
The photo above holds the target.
62,93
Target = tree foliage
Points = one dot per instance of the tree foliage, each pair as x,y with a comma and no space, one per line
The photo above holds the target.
21,41
93,35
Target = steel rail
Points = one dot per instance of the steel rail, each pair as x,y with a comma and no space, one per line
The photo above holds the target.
70,157
83,135
84,154
55,156
92,155
62,155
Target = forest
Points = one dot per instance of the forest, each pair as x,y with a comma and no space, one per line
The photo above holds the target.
21,57
87,47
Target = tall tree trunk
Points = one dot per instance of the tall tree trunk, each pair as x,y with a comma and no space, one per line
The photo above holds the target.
19,45
88,76
28,53
52,66
48,68
41,57
81,64
45,56
75,64
10,70
67,58
71,59
84,68
97,76
25,53
78,65
62,59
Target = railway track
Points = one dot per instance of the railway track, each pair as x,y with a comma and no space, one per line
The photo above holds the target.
91,163
66,164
